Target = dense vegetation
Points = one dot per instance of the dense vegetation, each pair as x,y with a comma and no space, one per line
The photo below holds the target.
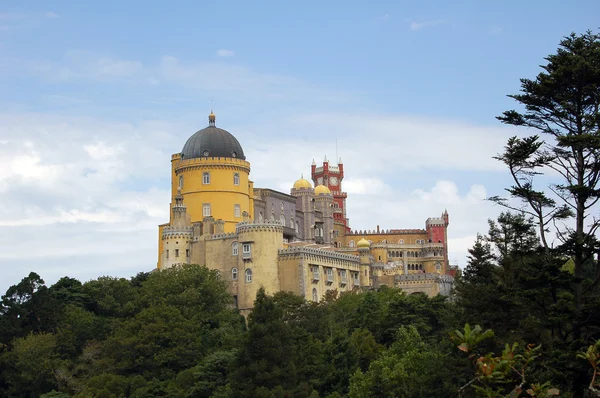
524,319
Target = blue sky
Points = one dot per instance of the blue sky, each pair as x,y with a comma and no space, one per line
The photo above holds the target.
96,96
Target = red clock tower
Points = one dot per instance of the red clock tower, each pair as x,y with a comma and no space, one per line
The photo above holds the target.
331,177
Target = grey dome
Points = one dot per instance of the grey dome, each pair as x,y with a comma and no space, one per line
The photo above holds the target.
212,142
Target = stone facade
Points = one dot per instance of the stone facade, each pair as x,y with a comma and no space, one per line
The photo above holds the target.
299,242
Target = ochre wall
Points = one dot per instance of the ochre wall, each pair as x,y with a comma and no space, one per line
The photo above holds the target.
221,192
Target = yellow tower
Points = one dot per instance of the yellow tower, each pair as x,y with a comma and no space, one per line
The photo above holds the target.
213,175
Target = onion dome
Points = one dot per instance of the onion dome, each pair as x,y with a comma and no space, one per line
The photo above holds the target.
322,190
302,183
212,142
363,243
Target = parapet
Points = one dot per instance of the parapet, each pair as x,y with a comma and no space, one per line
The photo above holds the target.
266,226
292,251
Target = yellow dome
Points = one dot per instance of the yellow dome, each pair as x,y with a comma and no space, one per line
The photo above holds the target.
302,183
322,189
363,243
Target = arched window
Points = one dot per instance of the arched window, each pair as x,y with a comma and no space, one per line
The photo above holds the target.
297,227
236,211
234,273
260,217
315,296
236,178
273,217
401,241
351,243
234,249
181,182
206,210
218,274
206,177
248,275
282,219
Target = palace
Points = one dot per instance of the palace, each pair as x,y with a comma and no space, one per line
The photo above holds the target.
299,242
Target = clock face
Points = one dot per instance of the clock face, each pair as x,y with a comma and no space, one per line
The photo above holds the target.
320,181
333,181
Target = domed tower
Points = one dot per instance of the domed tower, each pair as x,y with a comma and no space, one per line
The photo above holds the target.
324,224
304,193
213,175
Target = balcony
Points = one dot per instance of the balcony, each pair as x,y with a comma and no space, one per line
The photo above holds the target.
343,281
329,278
316,276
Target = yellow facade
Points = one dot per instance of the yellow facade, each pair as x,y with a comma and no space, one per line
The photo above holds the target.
221,183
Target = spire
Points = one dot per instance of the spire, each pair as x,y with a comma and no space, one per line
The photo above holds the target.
302,176
313,163
340,161
325,159
211,118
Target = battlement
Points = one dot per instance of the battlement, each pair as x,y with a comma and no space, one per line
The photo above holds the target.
435,221
266,225
443,278
223,236
388,232
292,251
176,232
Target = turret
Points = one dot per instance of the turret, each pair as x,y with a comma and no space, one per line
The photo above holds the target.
176,237
364,253
259,244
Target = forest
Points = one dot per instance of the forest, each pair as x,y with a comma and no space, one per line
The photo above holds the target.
523,319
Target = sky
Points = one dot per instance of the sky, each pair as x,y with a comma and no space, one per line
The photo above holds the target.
96,96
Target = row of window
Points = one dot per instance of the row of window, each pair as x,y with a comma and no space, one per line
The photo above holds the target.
329,273
187,253
206,179
247,274
245,248
206,210
400,242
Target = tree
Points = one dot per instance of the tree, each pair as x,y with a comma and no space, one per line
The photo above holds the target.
266,361
562,103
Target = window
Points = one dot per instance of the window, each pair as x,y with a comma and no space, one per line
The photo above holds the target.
206,177
234,273
273,217
351,243
282,220
236,211
187,252
234,249
297,227
180,181
218,274
401,241
236,179
248,275
176,252
260,217
167,254
246,248
206,210
315,296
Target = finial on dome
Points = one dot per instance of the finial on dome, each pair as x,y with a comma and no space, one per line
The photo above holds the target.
340,161
211,118
326,159
314,163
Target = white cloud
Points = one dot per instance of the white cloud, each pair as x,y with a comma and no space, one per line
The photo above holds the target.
424,24
50,14
225,53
